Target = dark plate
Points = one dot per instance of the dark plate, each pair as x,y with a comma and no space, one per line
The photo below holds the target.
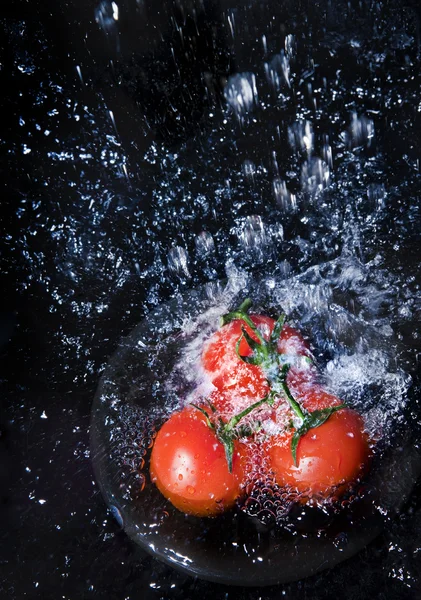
144,381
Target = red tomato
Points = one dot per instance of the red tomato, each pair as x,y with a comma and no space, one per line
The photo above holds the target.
232,375
189,466
228,372
292,342
310,395
329,456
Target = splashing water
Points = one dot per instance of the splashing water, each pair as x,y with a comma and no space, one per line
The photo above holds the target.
301,169
358,359
241,93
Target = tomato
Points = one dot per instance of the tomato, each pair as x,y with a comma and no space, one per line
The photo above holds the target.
228,405
229,373
311,395
291,342
189,466
328,457
189,463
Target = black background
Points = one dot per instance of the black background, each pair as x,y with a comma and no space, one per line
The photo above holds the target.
64,311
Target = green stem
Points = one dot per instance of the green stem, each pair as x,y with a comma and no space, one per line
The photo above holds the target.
244,306
242,316
233,422
291,400
204,412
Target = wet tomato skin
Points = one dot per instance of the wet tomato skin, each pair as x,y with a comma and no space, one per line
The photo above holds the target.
329,457
229,373
189,467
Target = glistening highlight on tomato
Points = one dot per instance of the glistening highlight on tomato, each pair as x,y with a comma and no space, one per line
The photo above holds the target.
224,367
328,457
189,465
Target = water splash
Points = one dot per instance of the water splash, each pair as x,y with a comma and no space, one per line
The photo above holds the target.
241,93
278,71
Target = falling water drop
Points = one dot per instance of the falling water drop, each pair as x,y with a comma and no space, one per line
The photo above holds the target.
376,194
253,234
204,243
361,131
79,72
241,92
284,198
290,45
249,169
278,71
301,136
315,177
178,260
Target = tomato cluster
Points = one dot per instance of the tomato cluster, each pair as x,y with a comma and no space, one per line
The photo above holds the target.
204,456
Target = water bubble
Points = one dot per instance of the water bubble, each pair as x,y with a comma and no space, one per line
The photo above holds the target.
341,541
162,515
241,93
137,484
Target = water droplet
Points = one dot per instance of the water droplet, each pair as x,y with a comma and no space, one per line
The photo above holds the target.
178,260
284,198
315,176
241,92
204,243
290,45
249,169
361,131
106,15
376,193
278,71
116,514
341,541
253,234
301,136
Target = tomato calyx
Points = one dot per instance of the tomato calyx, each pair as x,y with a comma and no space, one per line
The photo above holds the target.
309,420
264,353
227,432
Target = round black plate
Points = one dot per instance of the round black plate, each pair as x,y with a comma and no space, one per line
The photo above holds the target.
145,380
